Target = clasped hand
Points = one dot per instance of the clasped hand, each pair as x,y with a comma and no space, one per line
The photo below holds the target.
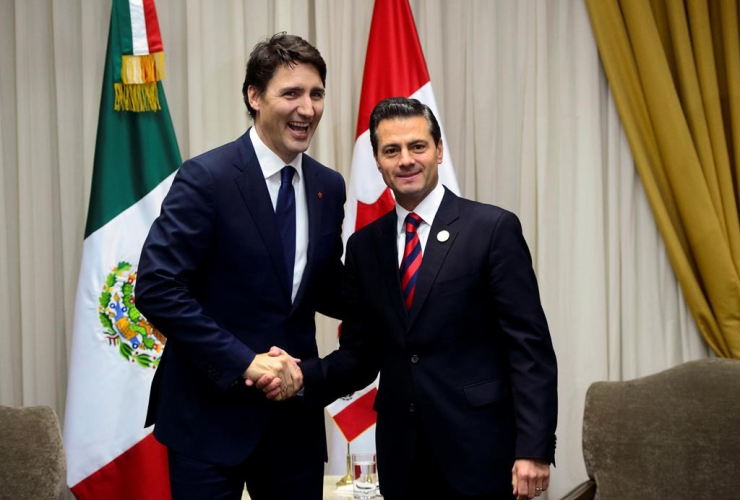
276,373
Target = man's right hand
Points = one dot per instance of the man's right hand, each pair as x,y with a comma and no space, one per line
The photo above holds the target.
276,373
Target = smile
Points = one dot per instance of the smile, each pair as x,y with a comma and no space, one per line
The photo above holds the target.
408,175
299,126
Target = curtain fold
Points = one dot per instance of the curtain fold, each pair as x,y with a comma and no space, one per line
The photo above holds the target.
681,117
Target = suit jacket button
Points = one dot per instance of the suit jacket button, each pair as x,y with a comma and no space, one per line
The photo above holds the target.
414,359
412,408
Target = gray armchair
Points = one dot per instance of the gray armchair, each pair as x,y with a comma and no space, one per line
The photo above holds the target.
32,463
675,434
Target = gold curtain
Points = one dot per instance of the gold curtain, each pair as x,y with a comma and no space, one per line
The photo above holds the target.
674,69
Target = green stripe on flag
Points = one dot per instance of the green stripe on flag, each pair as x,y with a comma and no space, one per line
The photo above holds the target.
134,152
126,38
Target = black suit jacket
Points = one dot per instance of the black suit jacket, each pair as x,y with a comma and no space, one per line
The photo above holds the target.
471,364
212,279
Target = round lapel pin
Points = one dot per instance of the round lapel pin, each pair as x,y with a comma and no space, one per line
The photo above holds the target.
443,236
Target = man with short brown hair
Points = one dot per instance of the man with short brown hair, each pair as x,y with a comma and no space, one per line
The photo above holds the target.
246,250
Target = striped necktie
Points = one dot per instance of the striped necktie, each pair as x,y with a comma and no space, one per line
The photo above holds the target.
411,259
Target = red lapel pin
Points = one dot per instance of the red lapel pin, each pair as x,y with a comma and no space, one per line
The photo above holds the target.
320,195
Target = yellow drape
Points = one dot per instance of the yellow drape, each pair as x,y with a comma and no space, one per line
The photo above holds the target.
674,69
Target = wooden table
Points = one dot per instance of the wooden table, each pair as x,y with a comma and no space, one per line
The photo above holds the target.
330,490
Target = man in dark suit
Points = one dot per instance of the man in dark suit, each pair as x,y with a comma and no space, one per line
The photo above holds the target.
246,250
467,403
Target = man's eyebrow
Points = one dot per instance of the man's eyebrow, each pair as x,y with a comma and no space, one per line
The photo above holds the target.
411,143
300,89
295,88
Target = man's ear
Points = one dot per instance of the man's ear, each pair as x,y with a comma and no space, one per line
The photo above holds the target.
254,97
440,152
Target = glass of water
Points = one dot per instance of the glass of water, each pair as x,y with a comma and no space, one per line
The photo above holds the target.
364,476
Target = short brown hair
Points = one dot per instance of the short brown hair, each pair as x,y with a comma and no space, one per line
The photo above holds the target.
272,53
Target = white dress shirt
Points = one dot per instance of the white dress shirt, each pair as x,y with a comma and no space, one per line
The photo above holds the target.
271,165
427,210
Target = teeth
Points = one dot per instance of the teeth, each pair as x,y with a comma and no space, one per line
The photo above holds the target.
298,124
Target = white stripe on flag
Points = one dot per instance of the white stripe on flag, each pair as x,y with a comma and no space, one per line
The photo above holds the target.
138,27
368,184
342,403
365,183
107,396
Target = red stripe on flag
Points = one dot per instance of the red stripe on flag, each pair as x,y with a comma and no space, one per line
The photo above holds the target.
368,213
141,472
153,36
394,64
357,417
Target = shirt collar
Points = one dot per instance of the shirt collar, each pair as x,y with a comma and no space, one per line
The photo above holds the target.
270,162
427,209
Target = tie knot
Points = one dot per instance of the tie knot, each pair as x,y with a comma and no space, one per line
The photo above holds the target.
286,174
412,222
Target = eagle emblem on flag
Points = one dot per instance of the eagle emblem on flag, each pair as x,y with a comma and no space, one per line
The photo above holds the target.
124,326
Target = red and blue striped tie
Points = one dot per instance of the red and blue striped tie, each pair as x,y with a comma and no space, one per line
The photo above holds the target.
411,259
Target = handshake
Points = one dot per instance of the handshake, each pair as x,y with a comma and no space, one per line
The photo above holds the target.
276,373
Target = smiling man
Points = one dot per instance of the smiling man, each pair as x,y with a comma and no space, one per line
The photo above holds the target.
246,250
442,300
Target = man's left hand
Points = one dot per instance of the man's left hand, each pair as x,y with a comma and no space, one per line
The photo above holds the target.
271,386
530,478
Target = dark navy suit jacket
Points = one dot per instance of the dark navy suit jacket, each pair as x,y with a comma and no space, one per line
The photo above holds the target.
212,279
472,362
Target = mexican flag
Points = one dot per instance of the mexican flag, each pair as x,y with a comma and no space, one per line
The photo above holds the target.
115,350
394,66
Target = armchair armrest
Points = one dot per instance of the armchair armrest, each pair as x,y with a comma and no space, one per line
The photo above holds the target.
584,491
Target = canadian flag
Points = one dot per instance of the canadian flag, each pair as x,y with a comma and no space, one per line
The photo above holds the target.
394,66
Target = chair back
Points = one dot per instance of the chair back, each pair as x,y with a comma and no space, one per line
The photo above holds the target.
675,434
32,463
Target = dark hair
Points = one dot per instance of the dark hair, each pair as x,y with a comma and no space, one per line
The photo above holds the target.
401,107
271,53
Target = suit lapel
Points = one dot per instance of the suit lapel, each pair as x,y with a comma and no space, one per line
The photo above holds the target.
389,264
435,251
313,189
252,186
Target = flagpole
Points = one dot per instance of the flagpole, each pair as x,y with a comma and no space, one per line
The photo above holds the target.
347,479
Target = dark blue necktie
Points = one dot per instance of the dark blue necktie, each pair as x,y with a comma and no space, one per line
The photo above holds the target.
285,212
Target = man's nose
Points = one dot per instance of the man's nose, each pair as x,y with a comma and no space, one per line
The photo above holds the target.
305,106
406,159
